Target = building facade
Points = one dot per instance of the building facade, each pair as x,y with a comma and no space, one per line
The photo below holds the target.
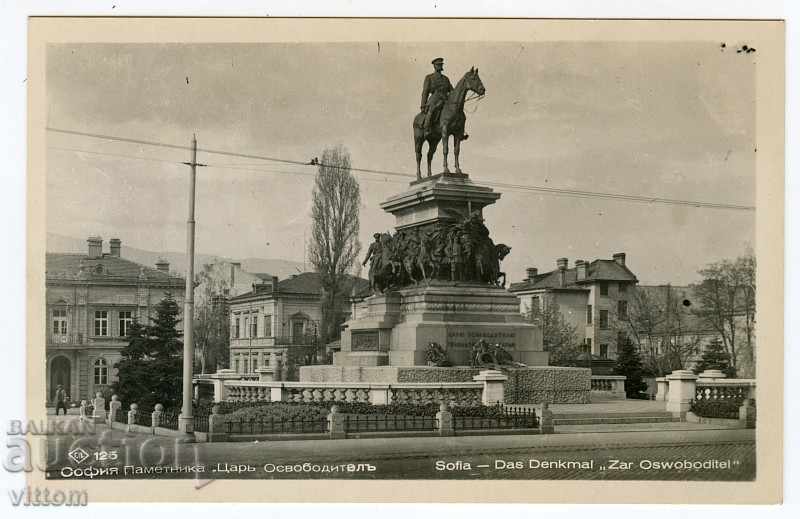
594,297
91,301
275,316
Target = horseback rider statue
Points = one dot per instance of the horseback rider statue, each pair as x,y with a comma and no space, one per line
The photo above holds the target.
435,90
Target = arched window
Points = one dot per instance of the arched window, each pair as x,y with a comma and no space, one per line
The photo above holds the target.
100,372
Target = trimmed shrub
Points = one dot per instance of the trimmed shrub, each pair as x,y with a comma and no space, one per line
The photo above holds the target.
716,408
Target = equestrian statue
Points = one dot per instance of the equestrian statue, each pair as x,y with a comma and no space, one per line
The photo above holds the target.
442,114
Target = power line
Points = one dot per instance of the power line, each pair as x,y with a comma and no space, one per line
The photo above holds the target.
521,187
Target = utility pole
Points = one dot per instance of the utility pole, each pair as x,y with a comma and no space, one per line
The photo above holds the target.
185,419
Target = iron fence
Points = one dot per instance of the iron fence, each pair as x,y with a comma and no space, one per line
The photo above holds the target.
370,423
277,426
201,420
511,418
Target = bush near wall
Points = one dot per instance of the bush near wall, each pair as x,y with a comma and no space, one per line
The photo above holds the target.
715,409
280,411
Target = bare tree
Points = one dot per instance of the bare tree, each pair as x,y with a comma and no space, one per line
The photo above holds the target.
727,295
334,243
211,328
559,337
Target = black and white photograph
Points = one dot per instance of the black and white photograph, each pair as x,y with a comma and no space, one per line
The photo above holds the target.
464,258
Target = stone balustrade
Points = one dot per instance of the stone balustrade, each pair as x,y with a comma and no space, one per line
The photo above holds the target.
733,390
456,393
608,386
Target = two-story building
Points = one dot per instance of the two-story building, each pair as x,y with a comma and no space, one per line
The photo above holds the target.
592,296
92,299
277,315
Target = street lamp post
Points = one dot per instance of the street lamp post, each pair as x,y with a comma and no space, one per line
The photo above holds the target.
185,419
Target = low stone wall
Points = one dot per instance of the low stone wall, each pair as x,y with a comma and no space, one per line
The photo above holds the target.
528,385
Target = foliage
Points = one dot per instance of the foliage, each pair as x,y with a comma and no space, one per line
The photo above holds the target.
715,357
560,338
629,364
235,411
660,326
334,234
435,354
150,371
211,327
727,304
716,408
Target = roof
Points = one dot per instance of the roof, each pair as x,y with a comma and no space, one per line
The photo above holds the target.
76,266
264,276
306,283
599,270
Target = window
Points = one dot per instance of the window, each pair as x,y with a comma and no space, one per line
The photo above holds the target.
101,323
255,363
254,327
60,321
246,365
236,365
125,322
604,351
100,372
267,326
603,288
236,330
604,319
587,348
623,287
246,325
588,314
536,304
622,309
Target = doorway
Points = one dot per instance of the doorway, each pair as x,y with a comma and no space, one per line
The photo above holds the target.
60,375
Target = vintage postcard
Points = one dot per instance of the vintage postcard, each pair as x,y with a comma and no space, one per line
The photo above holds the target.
439,260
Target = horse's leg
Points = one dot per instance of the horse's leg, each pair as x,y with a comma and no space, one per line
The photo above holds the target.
456,151
444,150
418,151
432,145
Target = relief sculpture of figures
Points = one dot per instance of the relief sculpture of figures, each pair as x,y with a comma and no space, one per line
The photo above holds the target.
442,114
456,252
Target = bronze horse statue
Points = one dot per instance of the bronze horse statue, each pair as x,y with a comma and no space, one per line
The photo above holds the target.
451,122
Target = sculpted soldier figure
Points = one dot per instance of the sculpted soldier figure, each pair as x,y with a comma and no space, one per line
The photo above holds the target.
435,90
373,256
455,255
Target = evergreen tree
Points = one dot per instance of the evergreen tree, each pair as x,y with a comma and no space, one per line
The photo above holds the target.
715,357
151,367
629,364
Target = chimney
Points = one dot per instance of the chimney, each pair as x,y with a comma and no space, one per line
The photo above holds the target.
562,263
532,272
274,285
235,265
581,269
115,245
95,247
163,265
619,258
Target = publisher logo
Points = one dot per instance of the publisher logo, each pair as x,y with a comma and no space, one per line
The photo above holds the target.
78,455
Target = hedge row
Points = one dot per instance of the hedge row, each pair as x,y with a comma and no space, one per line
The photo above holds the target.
715,409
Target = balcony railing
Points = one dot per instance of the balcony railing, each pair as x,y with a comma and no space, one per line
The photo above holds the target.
67,338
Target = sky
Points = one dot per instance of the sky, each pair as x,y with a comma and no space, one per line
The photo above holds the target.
662,119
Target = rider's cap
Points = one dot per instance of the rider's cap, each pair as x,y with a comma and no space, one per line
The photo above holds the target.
437,60
376,235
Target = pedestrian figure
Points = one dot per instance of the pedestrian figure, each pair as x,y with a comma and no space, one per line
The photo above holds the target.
61,399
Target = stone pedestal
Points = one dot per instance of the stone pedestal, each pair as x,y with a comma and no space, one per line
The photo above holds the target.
682,385
398,327
493,386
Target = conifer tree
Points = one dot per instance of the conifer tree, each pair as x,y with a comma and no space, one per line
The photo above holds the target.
151,367
629,364
715,357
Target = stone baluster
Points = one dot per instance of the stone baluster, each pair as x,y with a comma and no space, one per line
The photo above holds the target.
113,409
336,424
546,425
132,416
155,416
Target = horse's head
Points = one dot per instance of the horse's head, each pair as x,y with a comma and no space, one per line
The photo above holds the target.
473,81
502,250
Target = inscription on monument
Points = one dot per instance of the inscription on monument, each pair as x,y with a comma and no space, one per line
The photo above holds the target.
364,341
468,338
